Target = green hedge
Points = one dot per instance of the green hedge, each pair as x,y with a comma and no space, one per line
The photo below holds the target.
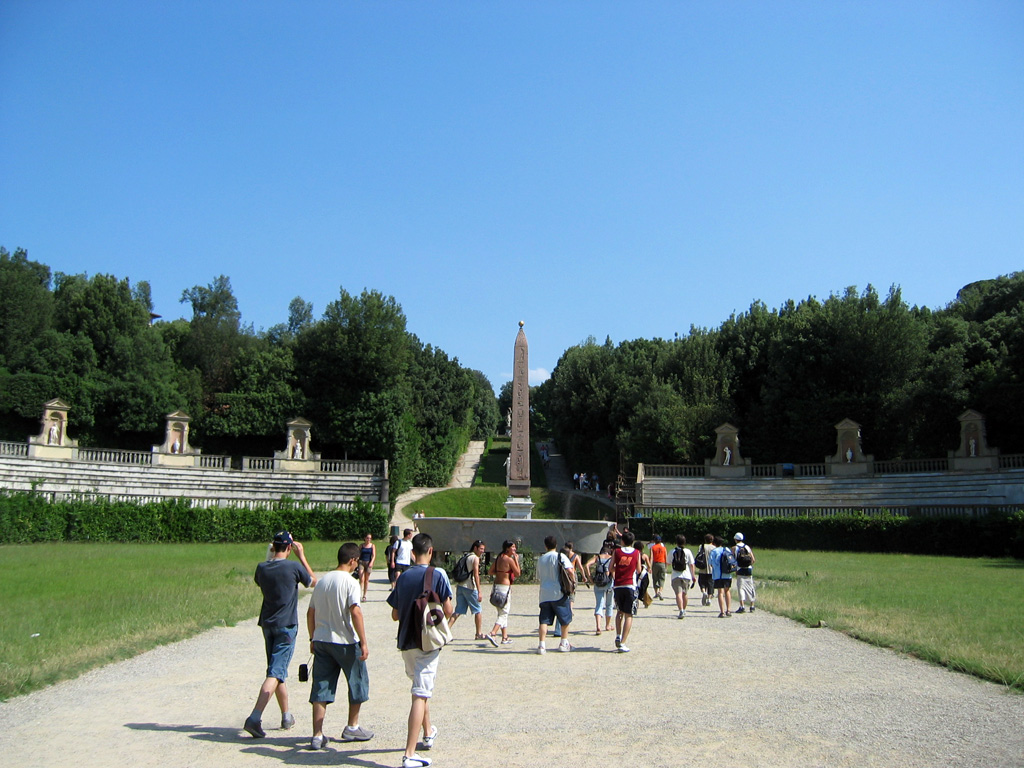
995,535
29,517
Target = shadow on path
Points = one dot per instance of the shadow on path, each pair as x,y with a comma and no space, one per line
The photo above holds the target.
293,748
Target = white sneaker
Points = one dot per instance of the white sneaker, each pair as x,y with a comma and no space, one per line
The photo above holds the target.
428,741
623,649
415,762
564,646
682,615
541,649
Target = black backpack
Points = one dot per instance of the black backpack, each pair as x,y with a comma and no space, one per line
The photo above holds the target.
461,571
601,577
678,559
701,561
744,558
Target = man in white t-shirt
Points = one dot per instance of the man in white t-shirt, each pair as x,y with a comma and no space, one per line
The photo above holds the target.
683,574
403,557
744,574
337,640
554,603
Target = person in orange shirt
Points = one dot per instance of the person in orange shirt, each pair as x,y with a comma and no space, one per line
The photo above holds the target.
659,561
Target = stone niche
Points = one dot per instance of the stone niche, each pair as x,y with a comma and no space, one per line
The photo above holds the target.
849,459
175,450
53,442
974,452
727,462
298,455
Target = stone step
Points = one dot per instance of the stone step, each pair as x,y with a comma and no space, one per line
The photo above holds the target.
931,489
23,474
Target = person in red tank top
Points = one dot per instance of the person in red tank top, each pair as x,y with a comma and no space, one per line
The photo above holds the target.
625,566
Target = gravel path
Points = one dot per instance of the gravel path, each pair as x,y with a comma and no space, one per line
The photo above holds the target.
750,691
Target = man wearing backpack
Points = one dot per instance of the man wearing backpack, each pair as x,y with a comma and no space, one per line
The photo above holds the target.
466,575
555,602
744,574
723,565
420,666
702,564
682,573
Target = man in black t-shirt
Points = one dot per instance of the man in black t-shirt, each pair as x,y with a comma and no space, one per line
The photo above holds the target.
278,578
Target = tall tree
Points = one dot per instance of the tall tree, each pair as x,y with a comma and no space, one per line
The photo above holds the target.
26,306
215,335
485,407
351,365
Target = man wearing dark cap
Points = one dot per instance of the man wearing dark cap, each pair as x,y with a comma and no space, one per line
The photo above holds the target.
278,578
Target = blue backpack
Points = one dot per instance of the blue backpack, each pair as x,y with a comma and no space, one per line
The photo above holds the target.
727,563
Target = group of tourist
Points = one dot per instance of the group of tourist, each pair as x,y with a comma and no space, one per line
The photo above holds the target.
620,575
713,571
338,643
581,481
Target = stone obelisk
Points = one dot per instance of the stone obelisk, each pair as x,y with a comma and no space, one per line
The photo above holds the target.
519,504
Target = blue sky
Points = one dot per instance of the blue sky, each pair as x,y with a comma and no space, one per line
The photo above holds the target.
592,168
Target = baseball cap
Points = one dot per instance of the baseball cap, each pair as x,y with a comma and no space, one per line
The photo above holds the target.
738,537
283,537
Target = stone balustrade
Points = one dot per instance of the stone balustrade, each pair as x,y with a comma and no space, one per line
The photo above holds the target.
913,487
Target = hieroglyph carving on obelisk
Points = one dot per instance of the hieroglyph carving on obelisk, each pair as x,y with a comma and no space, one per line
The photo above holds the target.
519,456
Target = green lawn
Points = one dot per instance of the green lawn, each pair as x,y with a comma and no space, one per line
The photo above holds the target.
966,614
67,608
492,465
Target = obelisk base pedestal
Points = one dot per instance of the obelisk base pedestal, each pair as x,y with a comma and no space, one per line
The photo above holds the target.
518,508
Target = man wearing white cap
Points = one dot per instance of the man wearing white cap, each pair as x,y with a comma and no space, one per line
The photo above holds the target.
744,574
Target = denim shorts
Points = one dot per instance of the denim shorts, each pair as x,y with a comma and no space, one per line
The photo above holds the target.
280,643
466,599
560,609
330,660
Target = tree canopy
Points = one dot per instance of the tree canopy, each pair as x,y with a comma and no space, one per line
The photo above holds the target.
785,376
371,389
